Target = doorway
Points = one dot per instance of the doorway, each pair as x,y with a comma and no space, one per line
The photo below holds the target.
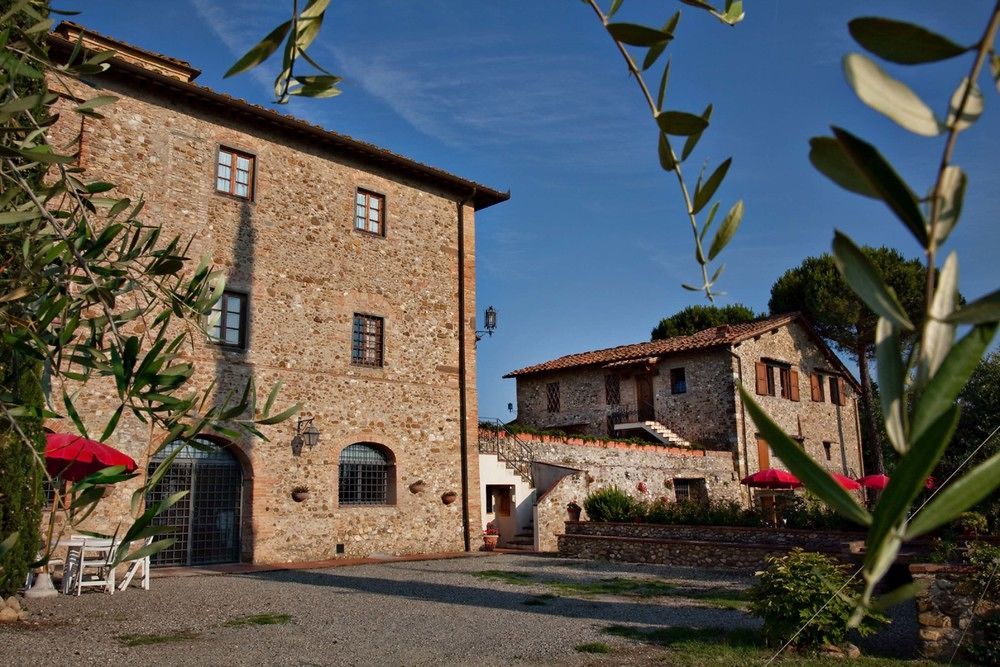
206,521
644,398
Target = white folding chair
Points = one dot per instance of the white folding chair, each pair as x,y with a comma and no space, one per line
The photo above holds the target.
95,565
135,566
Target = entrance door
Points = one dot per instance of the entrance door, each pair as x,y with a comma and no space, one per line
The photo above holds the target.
644,398
763,454
206,521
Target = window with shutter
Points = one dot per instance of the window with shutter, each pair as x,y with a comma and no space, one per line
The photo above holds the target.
793,384
842,390
765,381
816,387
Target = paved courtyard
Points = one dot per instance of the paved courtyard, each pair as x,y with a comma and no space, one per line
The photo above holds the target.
498,609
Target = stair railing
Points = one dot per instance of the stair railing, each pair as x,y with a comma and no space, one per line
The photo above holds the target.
508,448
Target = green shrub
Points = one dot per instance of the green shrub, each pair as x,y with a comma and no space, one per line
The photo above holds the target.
612,504
693,513
808,512
984,647
973,524
794,589
985,558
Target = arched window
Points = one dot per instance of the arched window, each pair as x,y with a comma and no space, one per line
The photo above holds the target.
367,475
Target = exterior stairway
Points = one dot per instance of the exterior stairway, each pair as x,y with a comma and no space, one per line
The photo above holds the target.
503,459
658,431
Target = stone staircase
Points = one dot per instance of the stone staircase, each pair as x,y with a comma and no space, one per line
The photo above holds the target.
499,448
663,434
524,540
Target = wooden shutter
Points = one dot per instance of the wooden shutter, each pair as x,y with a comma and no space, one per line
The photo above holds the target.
761,379
816,387
794,385
842,386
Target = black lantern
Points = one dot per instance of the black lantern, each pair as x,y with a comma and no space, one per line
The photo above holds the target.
489,324
306,434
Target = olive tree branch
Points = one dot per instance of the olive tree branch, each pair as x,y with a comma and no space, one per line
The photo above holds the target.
983,48
689,207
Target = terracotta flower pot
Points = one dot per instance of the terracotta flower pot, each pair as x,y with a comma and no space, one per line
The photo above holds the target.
490,542
574,513
449,497
299,496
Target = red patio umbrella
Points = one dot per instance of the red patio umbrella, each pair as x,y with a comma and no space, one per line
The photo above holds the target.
769,478
845,481
73,457
874,481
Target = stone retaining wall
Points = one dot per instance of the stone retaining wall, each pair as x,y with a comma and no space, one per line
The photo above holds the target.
947,602
720,547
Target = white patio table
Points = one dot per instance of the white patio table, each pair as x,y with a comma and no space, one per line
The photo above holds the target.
73,546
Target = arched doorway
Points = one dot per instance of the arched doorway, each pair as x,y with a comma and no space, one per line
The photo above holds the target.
207,519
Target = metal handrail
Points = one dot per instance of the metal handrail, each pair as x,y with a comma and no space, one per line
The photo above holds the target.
509,449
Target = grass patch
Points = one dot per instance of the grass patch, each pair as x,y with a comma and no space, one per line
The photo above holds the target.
620,586
724,598
156,638
258,619
505,576
716,646
593,647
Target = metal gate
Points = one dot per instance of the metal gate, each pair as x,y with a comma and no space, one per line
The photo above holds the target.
206,521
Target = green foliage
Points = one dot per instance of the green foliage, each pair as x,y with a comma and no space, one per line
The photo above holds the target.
801,586
594,647
698,317
611,504
985,558
972,523
984,645
297,34
691,513
980,403
808,512
93,295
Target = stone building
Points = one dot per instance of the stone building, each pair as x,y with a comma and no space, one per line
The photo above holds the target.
351,280
682,392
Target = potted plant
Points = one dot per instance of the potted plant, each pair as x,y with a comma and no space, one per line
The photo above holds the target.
490,536
300,493
574,510
448,497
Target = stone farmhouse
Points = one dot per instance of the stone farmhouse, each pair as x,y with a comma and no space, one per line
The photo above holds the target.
351,279
681,394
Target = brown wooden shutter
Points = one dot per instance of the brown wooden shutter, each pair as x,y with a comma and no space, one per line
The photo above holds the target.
842,386
794,385
761,379
816,387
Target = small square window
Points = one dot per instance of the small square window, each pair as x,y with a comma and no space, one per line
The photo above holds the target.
552,395
367,340
828,450
834,391
234,173
690,490
369,214
678,381
228,323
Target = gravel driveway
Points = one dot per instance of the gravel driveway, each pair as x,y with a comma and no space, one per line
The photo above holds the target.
495,609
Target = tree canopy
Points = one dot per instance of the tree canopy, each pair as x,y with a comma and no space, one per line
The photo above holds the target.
695,318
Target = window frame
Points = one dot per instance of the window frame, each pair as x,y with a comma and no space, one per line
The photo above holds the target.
359,344
243,333
828,449
553,397
835,396
612,389
695,489
386,475
369,195
235,153
678,380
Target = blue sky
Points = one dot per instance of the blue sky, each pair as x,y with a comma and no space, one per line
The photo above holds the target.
531,96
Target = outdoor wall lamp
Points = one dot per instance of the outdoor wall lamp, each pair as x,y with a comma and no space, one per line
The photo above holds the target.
489,324
308,436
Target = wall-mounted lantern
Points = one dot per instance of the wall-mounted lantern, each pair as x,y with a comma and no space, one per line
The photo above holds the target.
489,324
306,434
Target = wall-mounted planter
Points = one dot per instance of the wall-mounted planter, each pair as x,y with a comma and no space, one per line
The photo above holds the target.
299,496
418,486
448,497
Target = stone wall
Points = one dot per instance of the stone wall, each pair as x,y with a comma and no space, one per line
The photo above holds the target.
948,601
702,415
627,465
693,546
814,422
588,466
294,251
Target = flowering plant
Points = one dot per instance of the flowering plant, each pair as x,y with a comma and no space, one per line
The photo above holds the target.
573,505
491,529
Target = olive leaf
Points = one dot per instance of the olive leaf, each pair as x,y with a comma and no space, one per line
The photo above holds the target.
901,42
889,96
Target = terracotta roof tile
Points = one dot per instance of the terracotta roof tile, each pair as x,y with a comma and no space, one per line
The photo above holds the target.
727,334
